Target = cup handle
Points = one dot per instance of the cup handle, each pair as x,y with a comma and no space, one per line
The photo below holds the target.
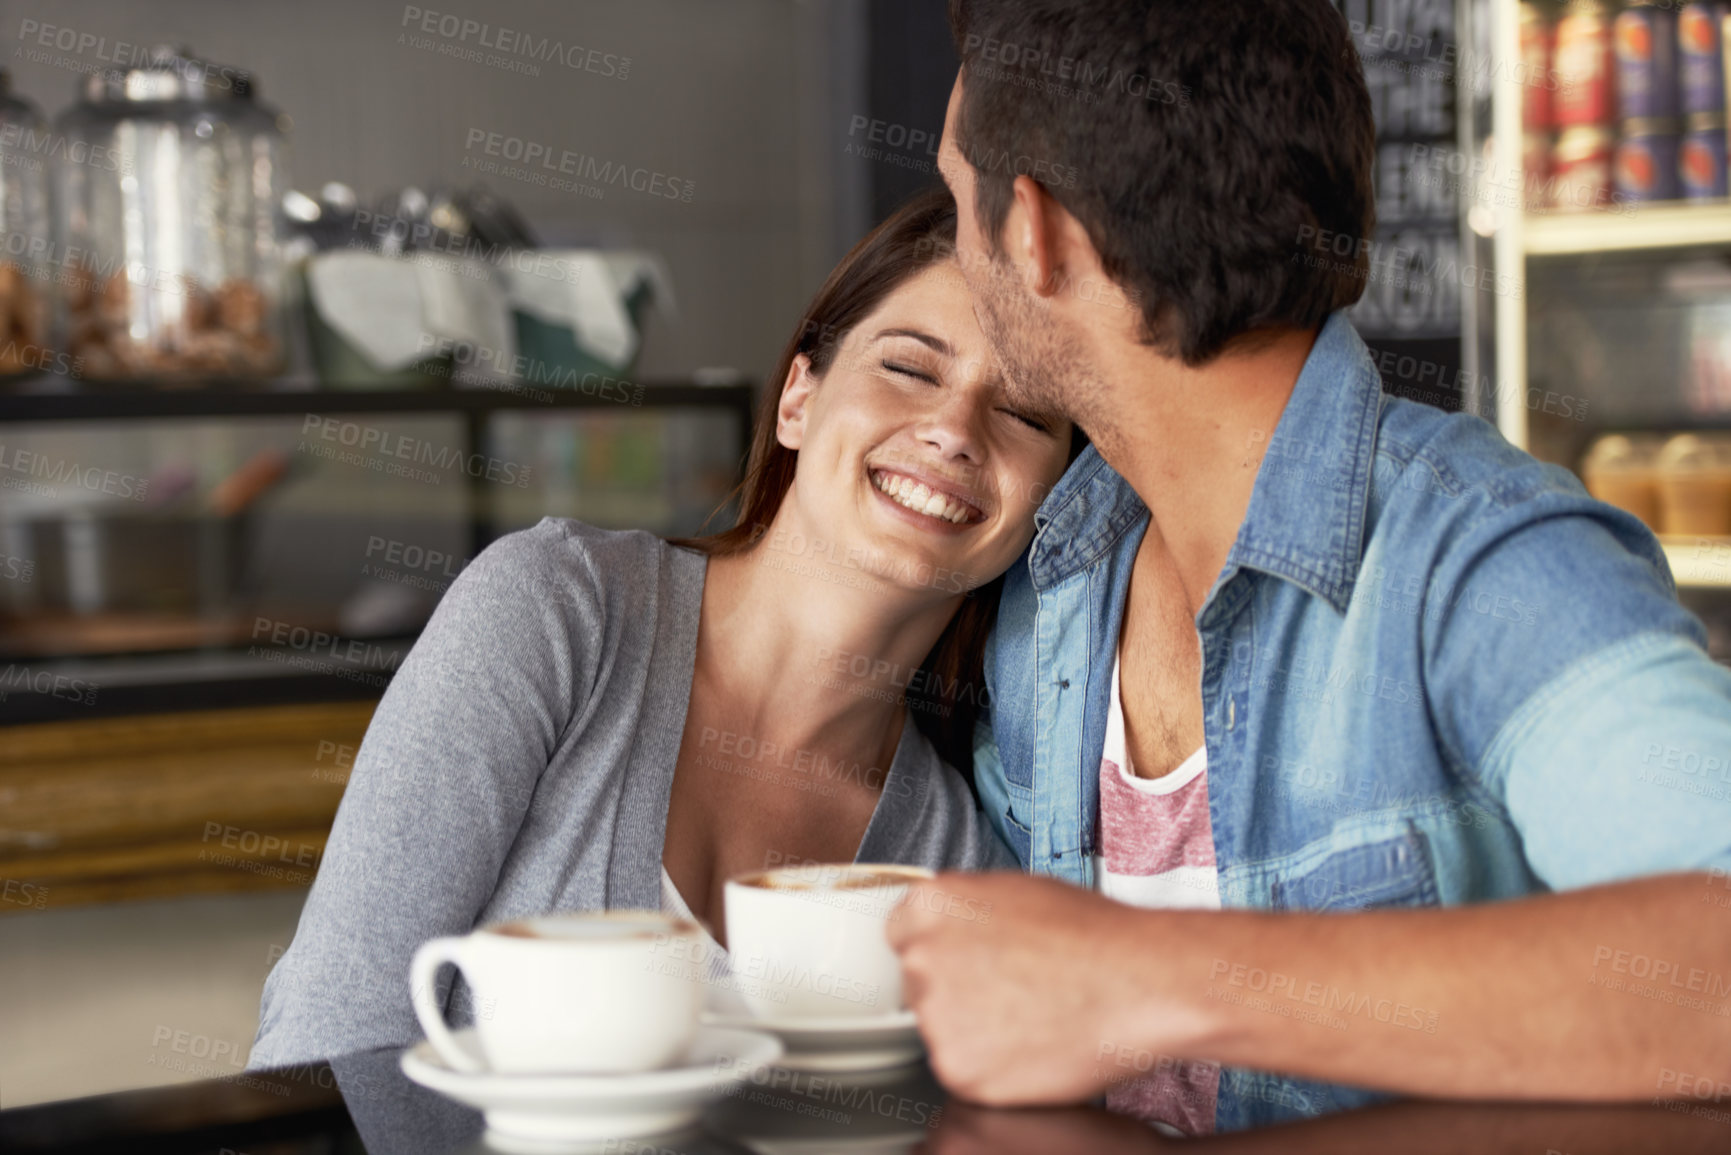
423,969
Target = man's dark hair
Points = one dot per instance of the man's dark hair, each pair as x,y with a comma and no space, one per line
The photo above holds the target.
1218,152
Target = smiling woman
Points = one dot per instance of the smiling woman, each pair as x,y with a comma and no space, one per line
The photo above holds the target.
884,321
602,720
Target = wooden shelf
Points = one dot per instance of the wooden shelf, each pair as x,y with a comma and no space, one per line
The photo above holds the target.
104,809
1643,227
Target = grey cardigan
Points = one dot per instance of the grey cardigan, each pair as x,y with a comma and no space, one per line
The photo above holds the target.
520,762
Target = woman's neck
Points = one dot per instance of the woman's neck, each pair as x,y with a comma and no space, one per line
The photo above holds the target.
809,652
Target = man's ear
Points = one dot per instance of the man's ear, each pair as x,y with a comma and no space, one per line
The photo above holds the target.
1048,244
790,413
1028,235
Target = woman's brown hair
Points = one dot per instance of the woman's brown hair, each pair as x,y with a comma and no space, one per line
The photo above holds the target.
949,691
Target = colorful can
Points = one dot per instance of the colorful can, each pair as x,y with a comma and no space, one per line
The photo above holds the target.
1700,57
1581,170
1538,44
1701,167
1646,39
1646,165
1585,66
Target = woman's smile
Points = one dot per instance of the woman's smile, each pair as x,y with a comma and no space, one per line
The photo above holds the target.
931,501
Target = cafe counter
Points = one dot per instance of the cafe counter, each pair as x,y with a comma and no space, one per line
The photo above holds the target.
363,1103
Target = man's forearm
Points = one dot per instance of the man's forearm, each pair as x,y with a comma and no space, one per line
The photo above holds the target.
1618,992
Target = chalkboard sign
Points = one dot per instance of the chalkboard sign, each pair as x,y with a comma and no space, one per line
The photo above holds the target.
1410,313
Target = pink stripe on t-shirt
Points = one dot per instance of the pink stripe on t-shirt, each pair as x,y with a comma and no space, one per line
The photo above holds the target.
1157,850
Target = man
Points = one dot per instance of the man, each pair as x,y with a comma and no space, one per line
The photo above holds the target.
1421,717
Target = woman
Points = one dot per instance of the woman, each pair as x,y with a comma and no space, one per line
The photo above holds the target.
599,720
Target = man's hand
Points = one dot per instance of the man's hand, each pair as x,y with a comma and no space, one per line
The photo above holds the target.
1034,992
1021,986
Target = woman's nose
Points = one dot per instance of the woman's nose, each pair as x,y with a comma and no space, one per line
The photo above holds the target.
954,426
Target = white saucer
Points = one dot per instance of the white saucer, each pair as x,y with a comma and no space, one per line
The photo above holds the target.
839,1044
538,1113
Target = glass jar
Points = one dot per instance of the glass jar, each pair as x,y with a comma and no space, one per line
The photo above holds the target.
1622,470
26,271
171,225
1695,486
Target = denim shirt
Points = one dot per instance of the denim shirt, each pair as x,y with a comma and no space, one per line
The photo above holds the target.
1434,671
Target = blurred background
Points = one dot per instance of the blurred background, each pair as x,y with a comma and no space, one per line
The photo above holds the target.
302,305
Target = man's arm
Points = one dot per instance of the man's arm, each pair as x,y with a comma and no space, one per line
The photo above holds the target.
1602,729
1614,992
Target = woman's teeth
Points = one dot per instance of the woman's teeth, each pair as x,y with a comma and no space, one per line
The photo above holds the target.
905,491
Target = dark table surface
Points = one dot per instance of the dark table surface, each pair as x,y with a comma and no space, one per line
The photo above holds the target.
362,1103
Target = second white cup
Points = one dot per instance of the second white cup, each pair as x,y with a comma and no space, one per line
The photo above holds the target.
809,942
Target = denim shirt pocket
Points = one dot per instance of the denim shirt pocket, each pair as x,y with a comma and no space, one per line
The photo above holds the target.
1008,806
1018,811
1380,871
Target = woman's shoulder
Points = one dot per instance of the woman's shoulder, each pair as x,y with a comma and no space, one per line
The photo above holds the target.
571,562
566,545
562,591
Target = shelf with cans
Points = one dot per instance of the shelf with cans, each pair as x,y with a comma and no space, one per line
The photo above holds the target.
1622,104
1601,202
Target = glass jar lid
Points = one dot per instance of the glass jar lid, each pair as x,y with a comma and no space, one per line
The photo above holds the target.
170,73
1693,451
1622,451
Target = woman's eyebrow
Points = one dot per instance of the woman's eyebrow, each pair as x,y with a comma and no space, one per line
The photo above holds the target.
936,343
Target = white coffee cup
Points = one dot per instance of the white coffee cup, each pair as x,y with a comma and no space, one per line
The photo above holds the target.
809,942
581,993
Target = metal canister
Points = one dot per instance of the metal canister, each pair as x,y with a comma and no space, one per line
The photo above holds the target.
1585,66
1581,169
1538,45
1701,166
1646,165
1646,46
1701,62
